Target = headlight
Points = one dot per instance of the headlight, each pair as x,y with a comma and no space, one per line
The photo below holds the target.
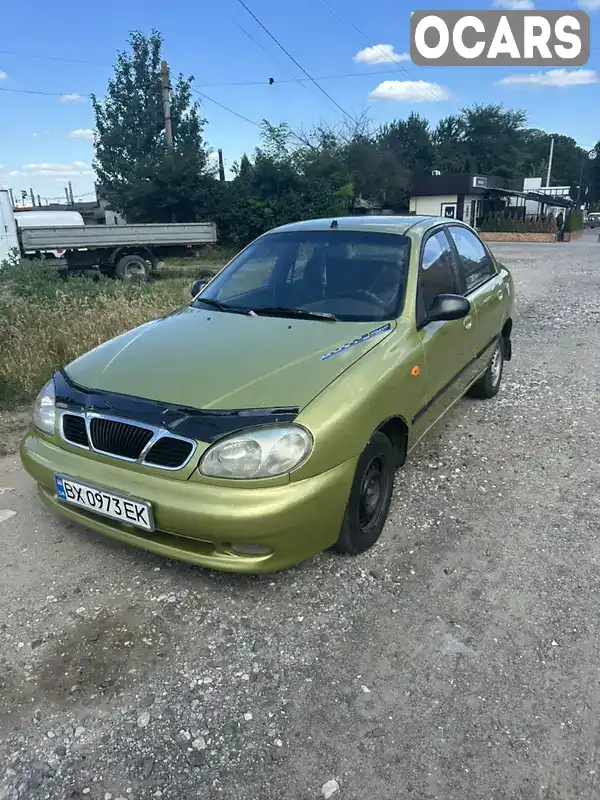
258,453
44,409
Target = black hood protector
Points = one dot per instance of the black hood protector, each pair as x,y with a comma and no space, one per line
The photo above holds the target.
204,425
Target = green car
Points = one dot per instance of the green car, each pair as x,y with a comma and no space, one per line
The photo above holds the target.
263,423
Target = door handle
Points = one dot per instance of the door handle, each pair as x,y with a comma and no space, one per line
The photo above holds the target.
500,294
468,322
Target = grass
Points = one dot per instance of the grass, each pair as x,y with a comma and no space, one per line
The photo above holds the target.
47,321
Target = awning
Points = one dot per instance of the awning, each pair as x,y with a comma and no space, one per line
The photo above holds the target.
538,197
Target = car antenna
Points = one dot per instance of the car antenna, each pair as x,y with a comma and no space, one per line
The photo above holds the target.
334,224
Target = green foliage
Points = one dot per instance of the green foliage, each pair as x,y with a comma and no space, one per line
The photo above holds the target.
501,223
574,222
138,175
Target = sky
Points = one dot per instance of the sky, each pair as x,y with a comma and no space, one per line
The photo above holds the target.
52,59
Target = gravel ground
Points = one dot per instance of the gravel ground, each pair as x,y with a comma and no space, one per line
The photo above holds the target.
457,660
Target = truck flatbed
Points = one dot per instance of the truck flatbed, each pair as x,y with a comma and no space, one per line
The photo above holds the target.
103,236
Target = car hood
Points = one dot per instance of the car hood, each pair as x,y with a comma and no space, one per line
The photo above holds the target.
216,360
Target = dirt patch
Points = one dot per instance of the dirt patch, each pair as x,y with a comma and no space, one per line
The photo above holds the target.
13,426
91,662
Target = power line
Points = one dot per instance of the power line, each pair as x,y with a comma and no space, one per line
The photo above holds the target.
290,56
51,58
43,94
386,56
295,80
231,111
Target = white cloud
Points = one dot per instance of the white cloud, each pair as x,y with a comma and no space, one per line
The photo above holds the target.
86,134
72,98
3,75
214,156
590,5
380,54
553,77
59,172
410,91
514,5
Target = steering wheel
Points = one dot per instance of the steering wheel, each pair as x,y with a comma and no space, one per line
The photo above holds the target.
361,294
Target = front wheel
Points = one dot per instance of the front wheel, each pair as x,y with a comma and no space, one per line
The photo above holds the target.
489,384
370,497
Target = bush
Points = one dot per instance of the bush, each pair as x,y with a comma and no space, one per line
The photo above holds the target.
500,223
574,222
47,321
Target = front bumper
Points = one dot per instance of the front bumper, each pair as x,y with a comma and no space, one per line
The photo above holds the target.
198,523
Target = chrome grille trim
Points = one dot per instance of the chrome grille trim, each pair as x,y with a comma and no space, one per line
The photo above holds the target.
157,434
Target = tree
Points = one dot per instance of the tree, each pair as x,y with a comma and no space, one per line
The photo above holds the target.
493,138
138,175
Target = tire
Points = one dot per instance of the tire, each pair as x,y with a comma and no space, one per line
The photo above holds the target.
131,268
363,524
488,385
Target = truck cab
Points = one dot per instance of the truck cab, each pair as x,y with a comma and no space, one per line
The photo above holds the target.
9,240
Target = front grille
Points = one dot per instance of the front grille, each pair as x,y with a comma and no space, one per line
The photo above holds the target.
74,430
169,452
118,438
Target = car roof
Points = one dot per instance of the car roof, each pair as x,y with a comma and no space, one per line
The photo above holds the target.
376,224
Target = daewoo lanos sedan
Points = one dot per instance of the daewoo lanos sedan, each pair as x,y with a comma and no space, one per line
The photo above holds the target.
263,423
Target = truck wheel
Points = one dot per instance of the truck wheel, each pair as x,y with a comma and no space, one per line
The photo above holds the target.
132,267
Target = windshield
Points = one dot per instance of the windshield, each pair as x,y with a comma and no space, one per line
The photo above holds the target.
349,275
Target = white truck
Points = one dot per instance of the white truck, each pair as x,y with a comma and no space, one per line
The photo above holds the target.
124,251
44,219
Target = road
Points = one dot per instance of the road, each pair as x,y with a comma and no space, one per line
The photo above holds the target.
458,660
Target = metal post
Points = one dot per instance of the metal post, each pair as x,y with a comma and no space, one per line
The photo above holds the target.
166,98
32,197
550,162
221,166
583,155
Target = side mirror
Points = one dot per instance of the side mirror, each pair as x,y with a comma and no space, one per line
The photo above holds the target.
197,286
447,307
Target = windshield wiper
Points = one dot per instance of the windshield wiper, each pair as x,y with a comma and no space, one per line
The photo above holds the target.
295,313
222,306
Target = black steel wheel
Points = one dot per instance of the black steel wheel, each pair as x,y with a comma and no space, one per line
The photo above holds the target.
370,497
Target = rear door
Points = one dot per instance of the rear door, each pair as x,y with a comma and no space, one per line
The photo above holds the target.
447,346
482,284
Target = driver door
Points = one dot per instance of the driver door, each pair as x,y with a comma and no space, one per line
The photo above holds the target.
447,345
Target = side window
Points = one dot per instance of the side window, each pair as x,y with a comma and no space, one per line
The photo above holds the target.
436,274
474,262
254,273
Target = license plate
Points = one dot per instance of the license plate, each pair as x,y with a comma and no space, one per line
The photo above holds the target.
107,504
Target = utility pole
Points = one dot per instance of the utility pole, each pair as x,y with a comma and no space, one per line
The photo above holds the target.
67,194
550,162
166,99
39,201
12,197
32,196
71,194
221,166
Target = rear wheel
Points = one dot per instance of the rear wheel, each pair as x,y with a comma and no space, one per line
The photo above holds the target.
489,384
132,268
370,497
